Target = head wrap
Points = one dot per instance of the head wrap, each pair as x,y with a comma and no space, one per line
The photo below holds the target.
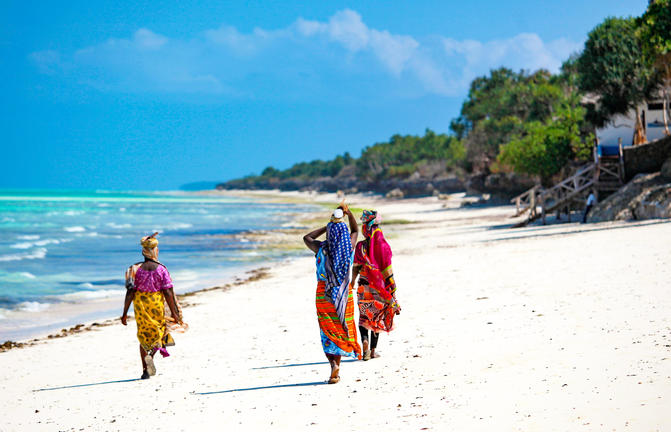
369,219
149,245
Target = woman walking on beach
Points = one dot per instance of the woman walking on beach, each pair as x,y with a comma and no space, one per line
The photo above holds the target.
334,301
377,289
148,286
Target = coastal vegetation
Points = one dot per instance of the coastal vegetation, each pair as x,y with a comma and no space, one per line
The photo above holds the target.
530,125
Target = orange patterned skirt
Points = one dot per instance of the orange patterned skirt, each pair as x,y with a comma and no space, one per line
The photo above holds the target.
335,339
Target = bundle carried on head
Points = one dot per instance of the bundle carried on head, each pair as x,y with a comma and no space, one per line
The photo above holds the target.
337,216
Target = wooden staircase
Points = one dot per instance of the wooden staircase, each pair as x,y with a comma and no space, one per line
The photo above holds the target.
605,175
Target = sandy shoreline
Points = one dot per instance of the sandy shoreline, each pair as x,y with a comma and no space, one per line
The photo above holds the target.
561,327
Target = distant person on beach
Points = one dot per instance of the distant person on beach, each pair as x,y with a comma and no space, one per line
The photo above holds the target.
148,286
591,200
376,293
335,304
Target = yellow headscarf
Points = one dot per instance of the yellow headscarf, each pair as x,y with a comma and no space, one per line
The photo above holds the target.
149,246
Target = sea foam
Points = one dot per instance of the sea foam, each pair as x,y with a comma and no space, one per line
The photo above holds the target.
91,295
73,229
118,226
28,245
32,306
38,253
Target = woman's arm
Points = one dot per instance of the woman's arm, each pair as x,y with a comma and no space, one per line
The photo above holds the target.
356,268
353,225
311,241
169,295
130,294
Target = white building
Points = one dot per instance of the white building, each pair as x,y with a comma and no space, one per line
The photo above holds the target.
622,127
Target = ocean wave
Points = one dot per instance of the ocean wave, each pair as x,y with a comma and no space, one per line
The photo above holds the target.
74,229
91,294
176,226
28,237
182,276
50,241
32,306
118,226
16,276
38,253
28,245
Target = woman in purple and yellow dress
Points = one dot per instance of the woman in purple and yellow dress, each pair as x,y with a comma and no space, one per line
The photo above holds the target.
334,300
376,293
148,287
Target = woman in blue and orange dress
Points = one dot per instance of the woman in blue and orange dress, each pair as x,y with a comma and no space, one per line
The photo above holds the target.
334,300
376,293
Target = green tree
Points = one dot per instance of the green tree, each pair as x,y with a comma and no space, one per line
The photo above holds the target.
613,68
402,155
497,107
546,147
655,27
270,172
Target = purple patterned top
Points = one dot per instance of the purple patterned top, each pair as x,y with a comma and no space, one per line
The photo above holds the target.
152,281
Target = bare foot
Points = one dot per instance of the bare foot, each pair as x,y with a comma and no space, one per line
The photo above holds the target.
373,354
335,375
149,361
366,351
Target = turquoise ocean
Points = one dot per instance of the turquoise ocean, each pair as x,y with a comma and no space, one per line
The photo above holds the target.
61,250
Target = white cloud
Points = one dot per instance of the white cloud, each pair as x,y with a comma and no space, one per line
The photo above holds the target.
343,47
348,29
523,51
48,61
146,39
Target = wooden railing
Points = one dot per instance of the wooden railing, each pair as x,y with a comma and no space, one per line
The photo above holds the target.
557,196
567,190
527,201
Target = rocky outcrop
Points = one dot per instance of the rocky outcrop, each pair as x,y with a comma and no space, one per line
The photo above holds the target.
500,185
647,196
395,193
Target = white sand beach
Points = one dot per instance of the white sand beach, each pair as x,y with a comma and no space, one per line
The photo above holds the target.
547,328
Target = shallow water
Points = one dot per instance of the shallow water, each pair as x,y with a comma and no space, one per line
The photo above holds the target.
64,247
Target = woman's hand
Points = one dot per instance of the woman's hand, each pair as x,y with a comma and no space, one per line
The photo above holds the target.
344,207
124,319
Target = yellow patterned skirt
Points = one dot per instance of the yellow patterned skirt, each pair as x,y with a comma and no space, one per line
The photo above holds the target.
150,319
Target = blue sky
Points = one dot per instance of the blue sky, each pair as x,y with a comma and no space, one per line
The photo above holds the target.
152,95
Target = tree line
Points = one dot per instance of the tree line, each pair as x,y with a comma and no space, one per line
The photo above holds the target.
530,122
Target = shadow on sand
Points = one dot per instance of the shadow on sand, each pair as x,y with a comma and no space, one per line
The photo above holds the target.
301,364
87,385
536,231
308,384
